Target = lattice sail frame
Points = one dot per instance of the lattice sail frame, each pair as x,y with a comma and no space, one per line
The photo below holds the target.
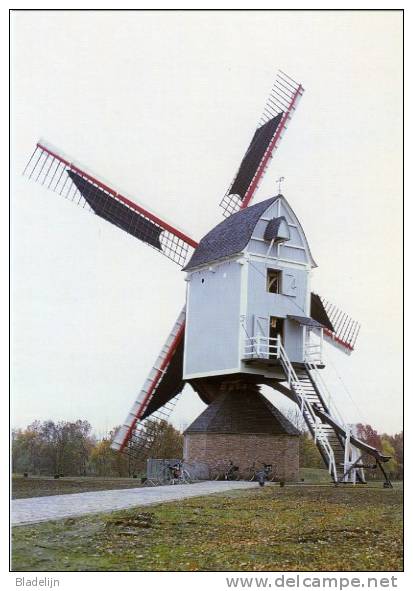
58,174
279,109
143,435
346,330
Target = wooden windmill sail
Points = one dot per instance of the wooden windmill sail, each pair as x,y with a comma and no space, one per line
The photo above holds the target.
300,378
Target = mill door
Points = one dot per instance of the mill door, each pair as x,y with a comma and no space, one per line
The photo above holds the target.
276,330
261,328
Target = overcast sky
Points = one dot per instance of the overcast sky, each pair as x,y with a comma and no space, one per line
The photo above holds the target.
163,105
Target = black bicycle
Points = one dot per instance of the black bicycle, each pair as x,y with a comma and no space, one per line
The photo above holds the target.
264,475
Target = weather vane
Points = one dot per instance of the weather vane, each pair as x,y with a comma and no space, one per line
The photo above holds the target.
279,181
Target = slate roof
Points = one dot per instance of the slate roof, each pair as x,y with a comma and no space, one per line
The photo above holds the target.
245,411
230,236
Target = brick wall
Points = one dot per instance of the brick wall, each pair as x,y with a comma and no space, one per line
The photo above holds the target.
244,449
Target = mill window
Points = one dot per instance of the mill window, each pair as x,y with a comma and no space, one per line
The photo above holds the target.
273,281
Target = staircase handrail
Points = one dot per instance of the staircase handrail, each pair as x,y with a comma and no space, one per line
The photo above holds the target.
319,435
325,392
353,440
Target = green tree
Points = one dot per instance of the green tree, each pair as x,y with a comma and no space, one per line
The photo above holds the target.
52,448
27,449
391,467
397,444
101,458
167,442
104,461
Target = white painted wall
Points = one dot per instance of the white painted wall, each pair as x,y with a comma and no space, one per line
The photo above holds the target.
224,299
213,310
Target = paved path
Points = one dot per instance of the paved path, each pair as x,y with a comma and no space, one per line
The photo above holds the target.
60,506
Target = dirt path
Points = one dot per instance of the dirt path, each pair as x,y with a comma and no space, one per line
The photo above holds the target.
71,505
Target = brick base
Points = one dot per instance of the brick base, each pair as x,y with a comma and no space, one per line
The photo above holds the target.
282,451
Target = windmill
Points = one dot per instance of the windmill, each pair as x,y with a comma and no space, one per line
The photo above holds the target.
268,328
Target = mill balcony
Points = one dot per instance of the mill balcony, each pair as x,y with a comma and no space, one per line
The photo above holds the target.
260,350
260,347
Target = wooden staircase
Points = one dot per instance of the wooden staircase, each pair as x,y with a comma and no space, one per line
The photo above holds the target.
335,440
340,449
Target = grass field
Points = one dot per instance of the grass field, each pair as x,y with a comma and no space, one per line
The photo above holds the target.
314,527
41,486
314,475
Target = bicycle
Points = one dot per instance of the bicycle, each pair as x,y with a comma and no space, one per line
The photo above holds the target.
250,471
223,471
216,471
177,474
263,475
232,472
271,474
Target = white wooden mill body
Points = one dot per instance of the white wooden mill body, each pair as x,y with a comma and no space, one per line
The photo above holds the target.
229,308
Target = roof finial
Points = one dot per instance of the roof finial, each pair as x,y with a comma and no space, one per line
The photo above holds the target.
279,181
